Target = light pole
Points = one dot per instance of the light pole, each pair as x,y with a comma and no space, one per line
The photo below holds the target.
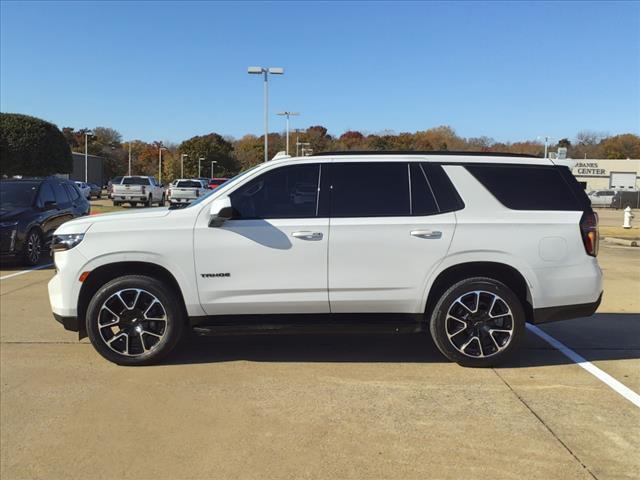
265,71
546,144
301,144
182,157
212,162
288,114
86,154
160,149
129,159
200,160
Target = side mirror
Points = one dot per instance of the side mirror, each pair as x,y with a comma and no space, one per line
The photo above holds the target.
50,205
220,211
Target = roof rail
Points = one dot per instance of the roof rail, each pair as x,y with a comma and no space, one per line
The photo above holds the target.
427,152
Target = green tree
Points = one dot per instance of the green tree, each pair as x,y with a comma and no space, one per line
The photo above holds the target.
211,147
32,147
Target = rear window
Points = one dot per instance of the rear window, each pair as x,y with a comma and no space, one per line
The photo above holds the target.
524,187
135,181
189,184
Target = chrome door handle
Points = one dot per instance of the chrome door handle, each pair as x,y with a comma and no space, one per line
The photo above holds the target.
434,234
304,235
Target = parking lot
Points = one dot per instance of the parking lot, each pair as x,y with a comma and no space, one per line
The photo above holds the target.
320,406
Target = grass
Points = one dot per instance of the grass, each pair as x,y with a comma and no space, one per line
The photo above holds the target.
619,232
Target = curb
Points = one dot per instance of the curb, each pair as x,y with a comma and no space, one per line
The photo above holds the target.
621,241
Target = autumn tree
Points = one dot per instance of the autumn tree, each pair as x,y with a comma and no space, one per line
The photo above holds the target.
626,145
211,147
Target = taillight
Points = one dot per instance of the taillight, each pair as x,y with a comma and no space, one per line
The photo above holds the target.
589,230
169,192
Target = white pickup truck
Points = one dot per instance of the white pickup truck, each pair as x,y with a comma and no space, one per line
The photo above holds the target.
134,190
184,191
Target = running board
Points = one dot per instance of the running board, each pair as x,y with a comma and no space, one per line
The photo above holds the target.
356,323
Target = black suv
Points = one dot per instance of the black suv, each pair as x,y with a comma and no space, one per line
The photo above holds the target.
31,210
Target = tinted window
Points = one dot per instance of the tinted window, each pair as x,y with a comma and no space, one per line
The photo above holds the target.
188,184
527,188
135,181
422,201
46,194
17,194
61,196
446,195
287,192
374,189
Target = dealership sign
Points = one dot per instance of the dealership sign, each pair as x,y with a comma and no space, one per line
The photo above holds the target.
586,169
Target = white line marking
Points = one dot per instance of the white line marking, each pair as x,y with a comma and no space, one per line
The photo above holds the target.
39,267
614,384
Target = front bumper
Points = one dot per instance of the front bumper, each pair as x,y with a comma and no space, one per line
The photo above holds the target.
69,323
565,312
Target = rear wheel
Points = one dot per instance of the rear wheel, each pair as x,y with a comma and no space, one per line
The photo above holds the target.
32,248
134,320
478,322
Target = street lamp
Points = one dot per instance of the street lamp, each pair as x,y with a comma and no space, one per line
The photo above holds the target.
160,149
301,144
546,144
288,114
86,154
200,160
182,157
129,158
265,72
212,162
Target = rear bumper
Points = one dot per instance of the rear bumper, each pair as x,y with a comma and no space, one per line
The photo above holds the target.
565,312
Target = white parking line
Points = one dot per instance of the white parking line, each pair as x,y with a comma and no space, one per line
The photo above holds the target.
22,272
614,384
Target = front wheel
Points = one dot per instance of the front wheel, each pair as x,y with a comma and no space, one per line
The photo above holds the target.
478,322
134,320
32,249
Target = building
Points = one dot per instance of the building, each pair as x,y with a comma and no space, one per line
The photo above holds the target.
603,174
95,169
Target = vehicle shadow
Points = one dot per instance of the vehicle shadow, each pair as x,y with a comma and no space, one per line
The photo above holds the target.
602,337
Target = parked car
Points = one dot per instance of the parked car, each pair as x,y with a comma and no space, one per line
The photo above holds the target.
110,184
184,191
601,198
216,182
95,191
626,198
459,245
85,189
31,210
138,189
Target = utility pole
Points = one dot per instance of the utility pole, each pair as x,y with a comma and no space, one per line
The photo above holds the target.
546,144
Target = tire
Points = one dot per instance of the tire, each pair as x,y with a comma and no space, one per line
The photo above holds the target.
134,320
32,247
148,203
478,322
162,201
116,204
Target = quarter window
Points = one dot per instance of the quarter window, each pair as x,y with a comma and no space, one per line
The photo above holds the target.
61,196
286,192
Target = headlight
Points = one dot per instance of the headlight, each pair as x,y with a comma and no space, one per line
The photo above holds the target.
8,224
61,243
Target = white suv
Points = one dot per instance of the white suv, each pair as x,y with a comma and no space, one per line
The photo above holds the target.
469,247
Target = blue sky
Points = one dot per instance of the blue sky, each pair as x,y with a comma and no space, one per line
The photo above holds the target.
169,70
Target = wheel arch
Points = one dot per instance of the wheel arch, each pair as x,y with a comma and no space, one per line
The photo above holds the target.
105,273
502,272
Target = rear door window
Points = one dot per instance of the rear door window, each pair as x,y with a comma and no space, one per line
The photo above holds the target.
525,187
46,194
61,196
422,197
375,189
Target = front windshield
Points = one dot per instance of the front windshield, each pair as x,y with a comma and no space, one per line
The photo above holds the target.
224,184
17,194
